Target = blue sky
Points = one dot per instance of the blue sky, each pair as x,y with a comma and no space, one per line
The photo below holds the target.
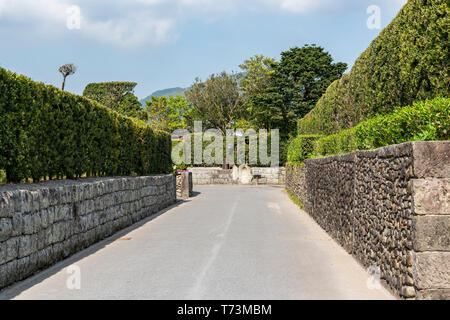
168,43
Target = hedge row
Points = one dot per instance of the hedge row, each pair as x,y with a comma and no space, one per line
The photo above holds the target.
423,121
48,133
301,148
407,62
283,146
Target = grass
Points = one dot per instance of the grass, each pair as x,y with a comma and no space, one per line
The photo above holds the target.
2,176
295,199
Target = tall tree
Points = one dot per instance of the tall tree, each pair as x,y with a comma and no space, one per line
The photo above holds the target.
118,96
219,101
258,71
132,107
168,113
67,70
295,85
306,73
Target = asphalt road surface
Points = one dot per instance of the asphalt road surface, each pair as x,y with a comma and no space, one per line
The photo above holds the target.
227,242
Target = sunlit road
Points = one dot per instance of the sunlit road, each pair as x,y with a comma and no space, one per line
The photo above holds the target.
228,242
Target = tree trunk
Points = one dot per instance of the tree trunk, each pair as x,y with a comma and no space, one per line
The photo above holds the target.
64,83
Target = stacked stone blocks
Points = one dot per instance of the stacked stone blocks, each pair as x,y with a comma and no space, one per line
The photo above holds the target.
43,223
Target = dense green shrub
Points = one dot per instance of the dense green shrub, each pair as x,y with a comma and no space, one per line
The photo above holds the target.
118,96
301,148
425,120
206,142
407,62
48,133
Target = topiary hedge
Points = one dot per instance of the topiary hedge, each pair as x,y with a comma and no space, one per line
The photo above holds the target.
301,148
208,141
423,121
407,62
48,133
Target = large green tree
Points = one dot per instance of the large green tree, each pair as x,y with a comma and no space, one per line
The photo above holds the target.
285,91
258,71
219,101
168,113
118,96
305,74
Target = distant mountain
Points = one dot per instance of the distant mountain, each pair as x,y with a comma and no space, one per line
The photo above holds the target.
171,92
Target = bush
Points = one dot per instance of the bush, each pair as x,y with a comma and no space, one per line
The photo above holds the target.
301,148
407,62
48,133
423,121
283,144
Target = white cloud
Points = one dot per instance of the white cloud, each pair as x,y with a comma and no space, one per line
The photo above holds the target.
133,29
135,23
131,32
299,6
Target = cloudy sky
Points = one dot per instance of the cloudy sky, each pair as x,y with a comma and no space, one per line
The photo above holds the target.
167,43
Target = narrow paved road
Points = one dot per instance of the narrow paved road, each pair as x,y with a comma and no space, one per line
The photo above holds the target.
228,242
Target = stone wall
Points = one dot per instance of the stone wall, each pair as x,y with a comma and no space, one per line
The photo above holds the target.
211,176
184,185
390,208
296,182
43,223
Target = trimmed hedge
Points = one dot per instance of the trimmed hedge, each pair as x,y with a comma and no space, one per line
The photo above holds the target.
206,142
301,148
48,133
423,121
407,62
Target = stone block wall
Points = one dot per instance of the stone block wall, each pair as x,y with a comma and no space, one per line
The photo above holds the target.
388,207
184,185
41,224
211,176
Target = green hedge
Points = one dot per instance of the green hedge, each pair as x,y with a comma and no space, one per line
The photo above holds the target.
48,133
301,148
423,121
283,144
407,62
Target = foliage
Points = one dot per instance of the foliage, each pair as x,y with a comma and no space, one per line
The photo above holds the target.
425,120
407,62
48,133
118,96
132,107
67,70
301,148
207,142
219,101
167,113
258,70
295,200
280,93
307,71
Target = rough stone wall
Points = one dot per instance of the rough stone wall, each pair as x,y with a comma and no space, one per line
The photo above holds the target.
207,176
390,208
382,214
330,202
296,182
43,223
